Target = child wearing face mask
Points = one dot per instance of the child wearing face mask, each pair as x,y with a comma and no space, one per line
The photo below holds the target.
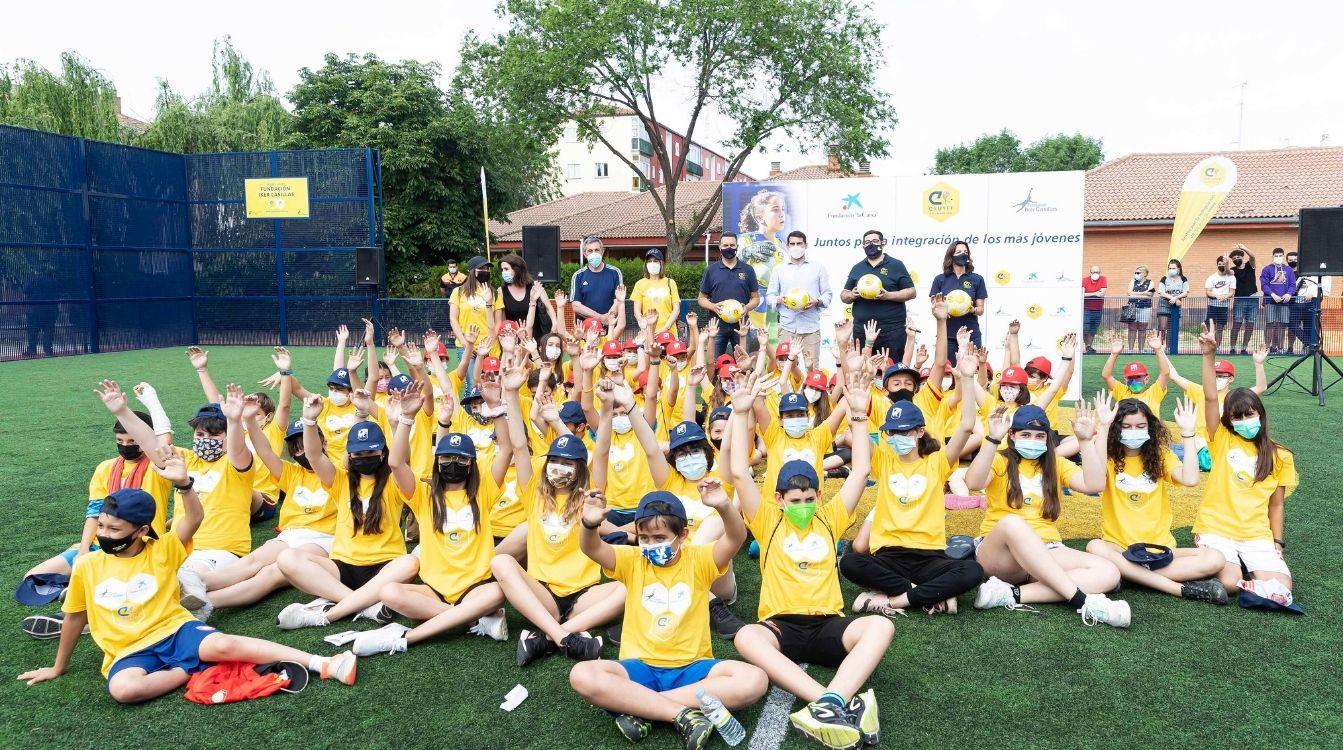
338,409
1226,376
1136,382
1011,394
1135,506
620,465
1241,515
790,434
666,663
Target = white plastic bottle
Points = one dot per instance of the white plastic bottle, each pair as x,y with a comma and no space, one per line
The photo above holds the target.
729,728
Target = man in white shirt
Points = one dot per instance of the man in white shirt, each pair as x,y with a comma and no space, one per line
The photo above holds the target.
803,323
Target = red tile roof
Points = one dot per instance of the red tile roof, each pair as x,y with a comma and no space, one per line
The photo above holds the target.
1273,183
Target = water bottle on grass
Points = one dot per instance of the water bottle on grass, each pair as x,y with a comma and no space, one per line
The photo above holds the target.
729,728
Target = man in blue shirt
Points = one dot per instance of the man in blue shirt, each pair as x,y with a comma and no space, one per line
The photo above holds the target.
800,273
888,309
593,289
958,272
728,279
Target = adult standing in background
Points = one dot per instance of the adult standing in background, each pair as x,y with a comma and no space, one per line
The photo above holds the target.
1221,289
800,273
593,289
888,309
1301,323
1245,311
451,280
1094,287
521,298
1278,283
727,279
958,273
1140,294
472,303
1171,291
656,292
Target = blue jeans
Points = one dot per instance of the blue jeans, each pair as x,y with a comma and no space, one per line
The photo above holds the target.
728,338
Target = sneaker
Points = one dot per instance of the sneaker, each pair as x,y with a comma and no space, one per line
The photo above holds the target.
875,603
43,627
533,645
994,593
863,709
1089,350
377,612
203,612
341,667
694,727
390,639
582,646
722,621
492,626
295,673
297,616
633,728
613,633
828,724
1210,590
1101,608
841,472
194,595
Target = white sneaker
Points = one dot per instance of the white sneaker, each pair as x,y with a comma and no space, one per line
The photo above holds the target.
194,595
377,612
385,640
994,593
492,626
1101,608
297,616
203,612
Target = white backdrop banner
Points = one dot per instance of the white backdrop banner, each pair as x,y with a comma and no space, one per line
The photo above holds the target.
1024,231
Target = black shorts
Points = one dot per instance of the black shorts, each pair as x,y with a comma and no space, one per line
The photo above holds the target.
565,604
813,639
355,576
462,595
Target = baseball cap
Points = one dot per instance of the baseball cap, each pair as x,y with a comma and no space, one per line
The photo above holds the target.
1042,364
675,347
685,432
1013,376
722,412
41,588
471,392
365,436
489,364
477,261
339,377
1223,367
508,326
903,416
572,413
898,368
295,428
673,506
1030,417
664,337
783,350
724,359
1135,370
792,402
568,446
631,344
796,468
399,382
455,444
924,373
612,349
727,371
210,411
653,253
134,506
816,379
592,324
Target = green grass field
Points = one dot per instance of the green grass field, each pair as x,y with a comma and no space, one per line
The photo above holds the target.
1185,675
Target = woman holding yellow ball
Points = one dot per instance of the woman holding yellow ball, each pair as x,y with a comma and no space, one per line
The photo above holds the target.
960,284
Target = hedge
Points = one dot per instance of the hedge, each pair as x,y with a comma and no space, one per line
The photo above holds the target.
414,280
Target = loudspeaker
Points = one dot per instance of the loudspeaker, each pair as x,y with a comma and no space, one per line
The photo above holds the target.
1319,242
368,266
541,251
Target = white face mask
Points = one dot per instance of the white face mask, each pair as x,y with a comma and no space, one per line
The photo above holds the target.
1095,277
621,424
1223,383
812,395
1277,260
339,398
654,268
612,363
552,353
947,383
796,252
1009,393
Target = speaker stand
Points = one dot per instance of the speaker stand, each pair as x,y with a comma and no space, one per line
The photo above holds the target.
1316,356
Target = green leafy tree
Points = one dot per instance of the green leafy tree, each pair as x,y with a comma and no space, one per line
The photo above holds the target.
1063,152
801,72
77,101
1002,152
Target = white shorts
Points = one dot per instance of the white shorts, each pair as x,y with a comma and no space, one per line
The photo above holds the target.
1255,554
296,538
213,559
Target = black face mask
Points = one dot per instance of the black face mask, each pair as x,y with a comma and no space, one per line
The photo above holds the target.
302,460
872,249
728,253
904,394
114,544
453,472
1291,264
366,464
1237,262
483,276
717,443
129,452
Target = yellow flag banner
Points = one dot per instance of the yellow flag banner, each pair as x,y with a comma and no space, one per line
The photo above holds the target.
1206,186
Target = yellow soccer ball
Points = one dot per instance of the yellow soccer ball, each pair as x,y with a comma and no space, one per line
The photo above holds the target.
730,311
869,286
959,303
797,298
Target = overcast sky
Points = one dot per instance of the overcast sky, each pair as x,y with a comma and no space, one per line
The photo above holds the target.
1143,76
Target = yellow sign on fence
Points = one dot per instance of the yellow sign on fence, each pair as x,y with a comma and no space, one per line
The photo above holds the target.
277,198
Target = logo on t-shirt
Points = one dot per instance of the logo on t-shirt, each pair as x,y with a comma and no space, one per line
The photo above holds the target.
205,483
122,596
806,551
621,457
1137,488
310,500
555,528
1242,465
1032,489
907,489
456,523
665,605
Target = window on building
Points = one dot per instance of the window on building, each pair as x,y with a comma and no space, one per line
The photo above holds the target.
571,132
573,171
602,169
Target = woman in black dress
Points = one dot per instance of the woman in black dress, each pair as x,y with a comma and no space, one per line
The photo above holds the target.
522,299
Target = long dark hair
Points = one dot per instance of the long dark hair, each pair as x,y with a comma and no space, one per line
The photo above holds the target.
947,265
471,487
1151,451
521,276
1179,266
547,491
371,523
1049,478
1239,403
472,286
927,445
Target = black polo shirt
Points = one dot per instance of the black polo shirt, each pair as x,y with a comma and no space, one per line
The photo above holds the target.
723,283
894,277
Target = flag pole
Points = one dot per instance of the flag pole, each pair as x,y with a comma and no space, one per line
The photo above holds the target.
485,210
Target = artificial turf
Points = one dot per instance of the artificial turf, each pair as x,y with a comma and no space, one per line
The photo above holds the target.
1185,675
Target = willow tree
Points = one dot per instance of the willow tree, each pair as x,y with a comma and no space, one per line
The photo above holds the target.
78,100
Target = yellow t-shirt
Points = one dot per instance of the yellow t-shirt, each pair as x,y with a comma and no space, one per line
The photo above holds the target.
780,449
1152,395
553,555
131,601
307,504
797,567
158,487
666,606
628,477
264,482
1234,505
660,295
1135,507
423,438
455,556
482,435
910,508
1194,392
1051,408
506,511
335,423
688,493
360,548
226,496
472,310
1033,499
926,398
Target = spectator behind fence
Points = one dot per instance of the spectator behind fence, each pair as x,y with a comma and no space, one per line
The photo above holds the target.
1138,311
958,274
1278,282
888,309
727,279
1171,291
1301,323
592,290
1245,311
1094,287
803,323
521,298
1220,288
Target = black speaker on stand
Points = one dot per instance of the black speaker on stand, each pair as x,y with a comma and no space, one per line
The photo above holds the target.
1319,247
541,251
368,274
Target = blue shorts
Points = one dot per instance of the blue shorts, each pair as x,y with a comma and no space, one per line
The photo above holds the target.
70,554
620,517
1091,320
181,650
662,679
1246,310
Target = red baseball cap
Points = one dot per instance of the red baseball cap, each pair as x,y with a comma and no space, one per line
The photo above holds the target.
924,373
816,379
592,324
508,326
1223,367
727,371
675,347
664,338
489,364
442,349
724,359
783,350
642,380
948,369
1013,376
632,344
1043,365
612,349
1135,370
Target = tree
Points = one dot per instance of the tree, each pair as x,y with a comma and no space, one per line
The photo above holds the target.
794,71
432,148
78,101
240,112
1001,152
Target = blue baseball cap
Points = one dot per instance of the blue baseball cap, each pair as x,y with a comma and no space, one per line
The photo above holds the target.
568,446
796,468
339,377
902,417
1250,600
365,436
41,588
674,506
1150,556
134,506
1030,417
898,368
722,412
572,413
792,402
686,432
470,392
209,411
295,428
399,382
455,444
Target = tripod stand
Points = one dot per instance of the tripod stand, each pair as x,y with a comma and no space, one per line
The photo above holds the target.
1314,354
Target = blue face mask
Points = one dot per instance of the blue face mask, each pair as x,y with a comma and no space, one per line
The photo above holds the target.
507,276
692,466
1136,386
1247,428
1133,438
658,554
902,443
594,259
796,427
1031,449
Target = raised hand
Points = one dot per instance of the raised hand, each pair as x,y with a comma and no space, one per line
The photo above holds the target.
587,361
282,359
856,394
548,411
342,334
232,406
412,399
967,364
744,396
396,337
512,377
594,507
170,465
844,330
111,394
712,494
939,305
561,297
251,407
691,319
963,337
1014,327
368,329
411,353
528,345
1207,341
1105,410
355,358
1186,418
472,335
870,330
362,400
710,330
312,406
1068,346
999,422
604,390
432,341
1116,345
1260,354
621,394
696,376
446,408
145,392
1153,339
1084,421
620,293
199,359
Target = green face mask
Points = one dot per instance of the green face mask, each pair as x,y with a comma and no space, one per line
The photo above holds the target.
800,514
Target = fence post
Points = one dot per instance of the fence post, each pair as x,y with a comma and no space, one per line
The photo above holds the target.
373,233
83,173
279,262
191,249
